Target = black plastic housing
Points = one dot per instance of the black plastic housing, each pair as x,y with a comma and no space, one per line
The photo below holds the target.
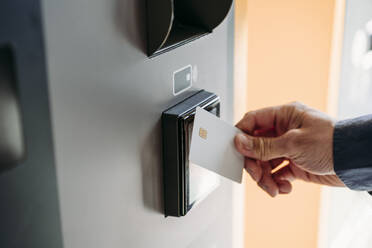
176,135
12,147
172,23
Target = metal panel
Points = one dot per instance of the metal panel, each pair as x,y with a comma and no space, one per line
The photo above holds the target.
29,213
107,98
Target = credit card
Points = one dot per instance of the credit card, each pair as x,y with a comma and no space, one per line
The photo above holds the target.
212,146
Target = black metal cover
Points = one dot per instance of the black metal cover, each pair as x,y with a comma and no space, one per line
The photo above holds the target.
172,23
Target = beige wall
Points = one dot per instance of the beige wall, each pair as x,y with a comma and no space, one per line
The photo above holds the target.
288,55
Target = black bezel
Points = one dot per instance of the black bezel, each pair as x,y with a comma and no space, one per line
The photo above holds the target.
175,154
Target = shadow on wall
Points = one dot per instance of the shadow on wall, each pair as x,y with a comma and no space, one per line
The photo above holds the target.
130,20
152,176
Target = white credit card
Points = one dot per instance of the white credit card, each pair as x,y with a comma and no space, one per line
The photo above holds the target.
212,146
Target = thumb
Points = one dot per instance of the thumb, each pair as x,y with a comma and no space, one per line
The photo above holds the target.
261,148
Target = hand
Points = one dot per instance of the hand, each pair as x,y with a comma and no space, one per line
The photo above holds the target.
294,133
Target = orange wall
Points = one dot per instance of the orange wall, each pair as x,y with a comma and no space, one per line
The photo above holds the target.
288,55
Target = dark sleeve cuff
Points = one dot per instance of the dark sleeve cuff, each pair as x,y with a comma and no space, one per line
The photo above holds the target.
352,152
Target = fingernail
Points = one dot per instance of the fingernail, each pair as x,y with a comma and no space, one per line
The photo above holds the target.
245,142
264,186
276,192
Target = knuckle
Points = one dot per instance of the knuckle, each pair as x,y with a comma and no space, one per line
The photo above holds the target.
262,147
297,104
296,110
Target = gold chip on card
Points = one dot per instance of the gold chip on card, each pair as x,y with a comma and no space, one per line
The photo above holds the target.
203,133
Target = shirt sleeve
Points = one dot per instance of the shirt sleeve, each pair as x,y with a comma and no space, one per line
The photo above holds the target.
352,152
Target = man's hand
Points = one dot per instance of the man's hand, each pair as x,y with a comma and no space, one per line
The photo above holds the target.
294,133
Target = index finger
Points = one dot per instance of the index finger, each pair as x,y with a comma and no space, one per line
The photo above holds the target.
259,119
